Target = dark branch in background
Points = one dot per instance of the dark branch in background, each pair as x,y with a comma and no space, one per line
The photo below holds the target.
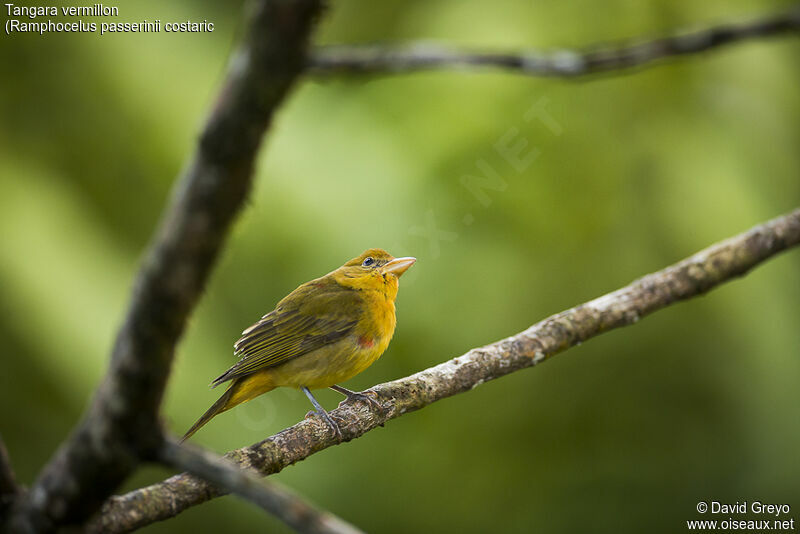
689,278
8,482
121,426
286,506
377,59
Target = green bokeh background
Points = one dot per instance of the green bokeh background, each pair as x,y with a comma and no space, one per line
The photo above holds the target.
623,434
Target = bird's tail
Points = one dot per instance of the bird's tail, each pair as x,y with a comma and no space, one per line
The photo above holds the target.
217,408
240,390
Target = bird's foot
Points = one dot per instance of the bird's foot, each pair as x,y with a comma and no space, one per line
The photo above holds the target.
325,416
370,397
320,411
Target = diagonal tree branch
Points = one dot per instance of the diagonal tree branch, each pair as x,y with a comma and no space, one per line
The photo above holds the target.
686,279
377,59
8,482
283,504
121,425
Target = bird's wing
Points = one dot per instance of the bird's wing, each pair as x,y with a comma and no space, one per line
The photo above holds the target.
314,315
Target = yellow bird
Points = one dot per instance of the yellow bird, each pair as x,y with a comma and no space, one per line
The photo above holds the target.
324,332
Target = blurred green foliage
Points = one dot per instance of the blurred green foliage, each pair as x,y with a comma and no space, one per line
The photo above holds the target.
623,434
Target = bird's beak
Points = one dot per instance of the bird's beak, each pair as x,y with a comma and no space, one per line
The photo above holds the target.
399,265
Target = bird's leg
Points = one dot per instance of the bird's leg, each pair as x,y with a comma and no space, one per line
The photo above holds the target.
352,395
322,413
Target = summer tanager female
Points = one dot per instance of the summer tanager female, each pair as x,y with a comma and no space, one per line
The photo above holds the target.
324,332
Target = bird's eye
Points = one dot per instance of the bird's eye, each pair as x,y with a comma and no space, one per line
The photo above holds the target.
368,262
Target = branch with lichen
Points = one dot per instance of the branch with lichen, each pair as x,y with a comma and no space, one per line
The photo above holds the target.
689,278
290,508
385,59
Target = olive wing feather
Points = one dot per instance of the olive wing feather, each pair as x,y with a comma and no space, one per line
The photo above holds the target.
314,315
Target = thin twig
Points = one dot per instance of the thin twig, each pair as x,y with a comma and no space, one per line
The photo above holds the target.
121,425
386,59
8,482
689,278
288,507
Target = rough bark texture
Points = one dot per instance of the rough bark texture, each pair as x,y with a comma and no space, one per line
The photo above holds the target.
297,513
691,277
365,59
121,425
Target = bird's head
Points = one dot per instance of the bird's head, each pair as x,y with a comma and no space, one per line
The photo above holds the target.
374,269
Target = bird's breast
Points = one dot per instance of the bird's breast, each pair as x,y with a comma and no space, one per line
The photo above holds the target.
378,323
347,357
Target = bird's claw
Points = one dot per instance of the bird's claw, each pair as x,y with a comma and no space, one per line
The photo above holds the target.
325,416
371,398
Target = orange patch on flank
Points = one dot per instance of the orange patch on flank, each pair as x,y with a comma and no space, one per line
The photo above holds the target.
366,342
